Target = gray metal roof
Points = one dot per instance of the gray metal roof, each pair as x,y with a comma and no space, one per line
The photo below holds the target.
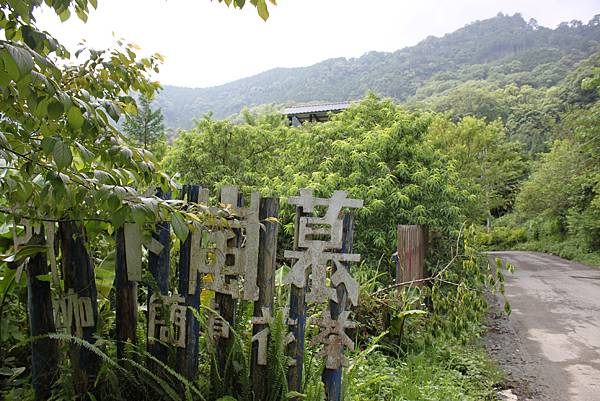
318,108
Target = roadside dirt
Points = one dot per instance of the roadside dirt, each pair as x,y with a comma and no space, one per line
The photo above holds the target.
549,347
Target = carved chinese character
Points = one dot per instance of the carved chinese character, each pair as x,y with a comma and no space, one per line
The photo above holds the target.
318,236
50,230
315,261
334,339
249,224
73,309
168,314
27,234
313,231
290,337
262,336
228,260
216,326
342,276
212,259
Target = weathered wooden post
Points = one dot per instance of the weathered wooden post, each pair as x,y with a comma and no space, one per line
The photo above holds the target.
158,264
332,378
297,315
44,351
187,358
320,240
411,253
225,302
126,289
78,274
267,255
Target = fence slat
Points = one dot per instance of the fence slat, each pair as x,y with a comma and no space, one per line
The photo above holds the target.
44,351
333,377
78,273
187,358
159,268
226,303
411,253
269,207
298,315
126,297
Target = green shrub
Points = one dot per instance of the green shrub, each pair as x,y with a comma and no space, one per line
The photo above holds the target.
441,372
501,237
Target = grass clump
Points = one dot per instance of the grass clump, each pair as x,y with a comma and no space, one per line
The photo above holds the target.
448,372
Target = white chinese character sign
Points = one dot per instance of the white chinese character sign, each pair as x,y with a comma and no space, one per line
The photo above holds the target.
319,260
219,263
334,338
220,254
227,263
167,314
72,313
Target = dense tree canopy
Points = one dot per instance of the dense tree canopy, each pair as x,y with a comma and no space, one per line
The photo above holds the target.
410,168
485,158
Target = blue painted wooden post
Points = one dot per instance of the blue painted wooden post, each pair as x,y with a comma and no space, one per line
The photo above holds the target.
333,377
298,314
187,358
159,268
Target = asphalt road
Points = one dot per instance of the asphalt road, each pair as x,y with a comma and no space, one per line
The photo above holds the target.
553,336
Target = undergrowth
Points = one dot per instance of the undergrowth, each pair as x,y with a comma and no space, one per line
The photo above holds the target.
568,249
514,238
444,372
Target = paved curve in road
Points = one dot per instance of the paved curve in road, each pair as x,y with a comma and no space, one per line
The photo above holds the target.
556,320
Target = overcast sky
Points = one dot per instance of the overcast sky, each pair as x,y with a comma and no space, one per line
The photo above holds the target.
207,44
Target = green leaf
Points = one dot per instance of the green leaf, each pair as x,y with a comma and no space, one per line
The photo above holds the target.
48,144
61,153
24,252
75,117
138,214
82,14
263,11
86,155
12,70
120,216
412,312
507,308
179,226
22,59
64,15
114,202
44,277
55,109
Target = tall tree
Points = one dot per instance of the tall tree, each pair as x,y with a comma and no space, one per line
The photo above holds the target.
146,127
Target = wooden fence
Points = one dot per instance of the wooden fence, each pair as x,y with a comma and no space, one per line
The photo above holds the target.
246,249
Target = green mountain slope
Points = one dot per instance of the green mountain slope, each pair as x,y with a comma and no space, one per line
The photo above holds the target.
504,49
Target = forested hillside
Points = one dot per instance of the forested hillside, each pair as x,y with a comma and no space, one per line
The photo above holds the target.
502,50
